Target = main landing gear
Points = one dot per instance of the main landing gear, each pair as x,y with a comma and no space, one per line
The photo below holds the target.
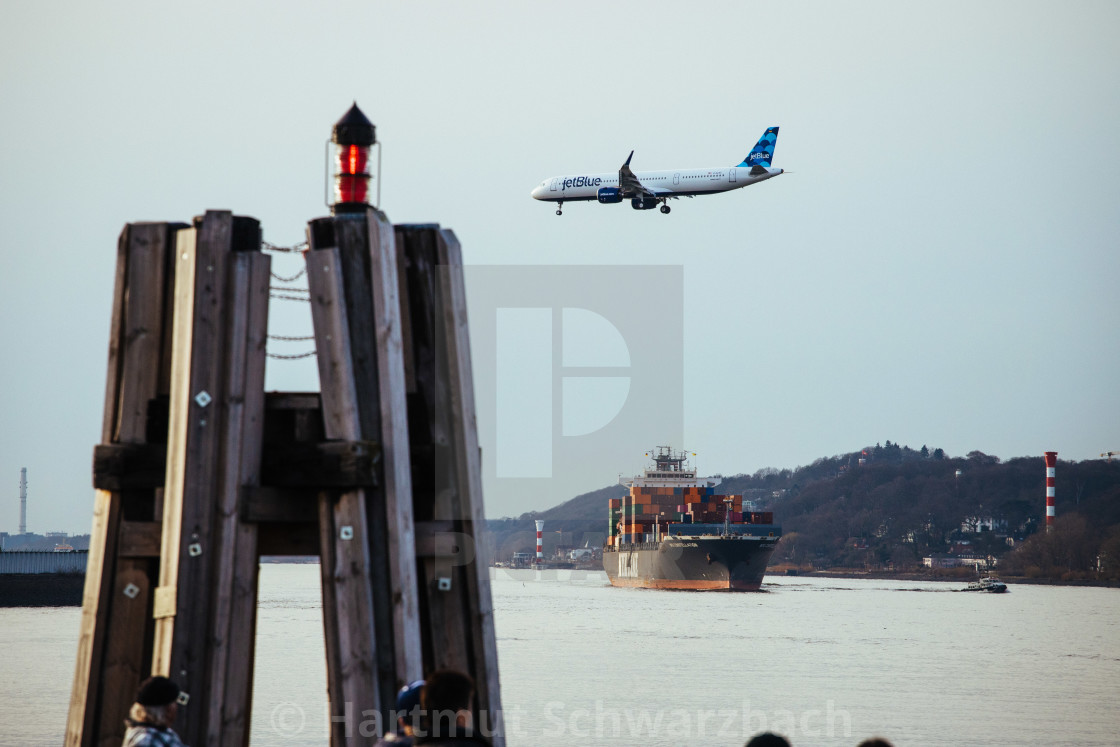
665,208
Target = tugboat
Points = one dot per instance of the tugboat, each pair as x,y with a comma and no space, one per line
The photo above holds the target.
989,584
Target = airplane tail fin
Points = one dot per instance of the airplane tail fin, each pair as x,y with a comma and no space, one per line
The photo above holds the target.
763,151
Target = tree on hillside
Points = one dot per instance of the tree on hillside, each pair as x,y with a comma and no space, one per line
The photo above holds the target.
1069,550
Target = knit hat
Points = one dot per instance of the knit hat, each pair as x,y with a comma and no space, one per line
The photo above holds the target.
409,696
157,691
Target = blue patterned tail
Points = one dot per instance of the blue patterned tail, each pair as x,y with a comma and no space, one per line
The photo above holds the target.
763,151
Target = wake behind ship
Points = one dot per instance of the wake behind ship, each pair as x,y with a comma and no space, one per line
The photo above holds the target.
673,532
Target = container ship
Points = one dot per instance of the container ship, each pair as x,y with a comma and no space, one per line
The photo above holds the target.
673,531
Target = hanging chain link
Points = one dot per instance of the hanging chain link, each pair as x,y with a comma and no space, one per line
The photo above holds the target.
289,294
305,299
294,249
291,279
277,356
291,339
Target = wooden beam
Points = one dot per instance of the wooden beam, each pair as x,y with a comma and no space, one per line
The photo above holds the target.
468,473
328,464
397,462
197,431
346,565
272,505
325,464
137,342
229,682
81,725
447,474
348,613
132,466
300,538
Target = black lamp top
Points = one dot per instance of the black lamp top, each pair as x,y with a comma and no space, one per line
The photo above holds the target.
354,129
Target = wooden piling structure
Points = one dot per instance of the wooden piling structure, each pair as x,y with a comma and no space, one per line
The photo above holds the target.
199,474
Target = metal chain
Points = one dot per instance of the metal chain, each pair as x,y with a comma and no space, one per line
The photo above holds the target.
286,294
300,247
277,356
291,339
292,279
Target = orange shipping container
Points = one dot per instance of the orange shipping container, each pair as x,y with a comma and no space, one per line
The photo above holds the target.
614,503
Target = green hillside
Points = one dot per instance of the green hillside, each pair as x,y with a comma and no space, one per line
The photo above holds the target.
899,505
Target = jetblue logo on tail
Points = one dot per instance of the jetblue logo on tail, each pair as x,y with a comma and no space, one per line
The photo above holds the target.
763,151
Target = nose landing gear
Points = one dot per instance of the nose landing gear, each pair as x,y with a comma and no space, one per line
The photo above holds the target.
559,205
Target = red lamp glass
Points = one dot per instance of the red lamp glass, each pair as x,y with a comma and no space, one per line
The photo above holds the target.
353,137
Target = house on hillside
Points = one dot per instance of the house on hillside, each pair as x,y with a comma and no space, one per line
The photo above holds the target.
953,560
977,524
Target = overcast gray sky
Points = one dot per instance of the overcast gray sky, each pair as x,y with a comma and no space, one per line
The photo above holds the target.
941,268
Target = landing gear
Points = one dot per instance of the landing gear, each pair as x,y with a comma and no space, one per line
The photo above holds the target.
665,209
558,206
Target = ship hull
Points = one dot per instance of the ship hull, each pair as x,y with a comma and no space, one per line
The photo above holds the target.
691,563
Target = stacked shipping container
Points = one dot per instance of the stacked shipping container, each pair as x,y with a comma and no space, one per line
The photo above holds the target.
645,514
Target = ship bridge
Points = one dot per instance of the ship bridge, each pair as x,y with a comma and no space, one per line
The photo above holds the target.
670,470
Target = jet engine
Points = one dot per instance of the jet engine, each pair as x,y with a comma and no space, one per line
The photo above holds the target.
643,203
608,195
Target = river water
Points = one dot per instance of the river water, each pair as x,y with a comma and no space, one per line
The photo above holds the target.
823,661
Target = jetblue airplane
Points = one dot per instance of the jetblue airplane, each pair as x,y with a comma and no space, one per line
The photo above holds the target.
647,189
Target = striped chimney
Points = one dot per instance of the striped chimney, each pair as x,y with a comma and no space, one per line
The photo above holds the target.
540,541
1051,462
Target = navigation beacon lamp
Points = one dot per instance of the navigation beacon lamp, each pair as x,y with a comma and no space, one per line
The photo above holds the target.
353,137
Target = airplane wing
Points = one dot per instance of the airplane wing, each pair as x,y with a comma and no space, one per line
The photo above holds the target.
628,184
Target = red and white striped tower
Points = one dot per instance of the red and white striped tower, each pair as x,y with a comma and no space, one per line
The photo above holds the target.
540,541
1051,462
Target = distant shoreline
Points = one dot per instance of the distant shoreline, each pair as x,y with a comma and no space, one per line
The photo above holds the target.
919,576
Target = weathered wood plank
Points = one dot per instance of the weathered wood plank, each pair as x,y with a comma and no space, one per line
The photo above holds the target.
468,471
195,434
348,571
137,332
396,462
230,678
81,726
340,464
348,614
447,477
125,665
446,629
116,340
143,329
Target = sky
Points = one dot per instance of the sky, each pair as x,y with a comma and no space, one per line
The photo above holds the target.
939,267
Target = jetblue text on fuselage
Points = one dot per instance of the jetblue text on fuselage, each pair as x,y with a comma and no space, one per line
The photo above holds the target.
583,181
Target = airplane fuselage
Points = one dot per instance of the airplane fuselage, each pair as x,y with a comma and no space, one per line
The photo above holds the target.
676,183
